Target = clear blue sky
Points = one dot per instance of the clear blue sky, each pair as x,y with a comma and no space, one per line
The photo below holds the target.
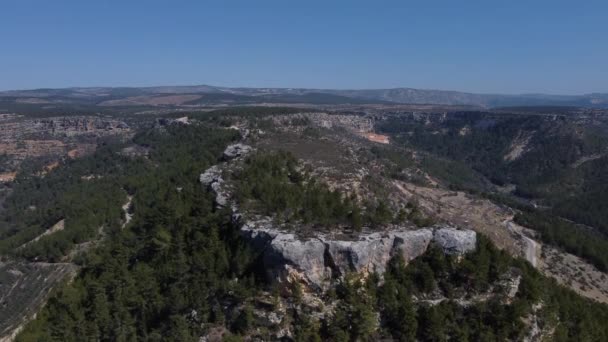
480,46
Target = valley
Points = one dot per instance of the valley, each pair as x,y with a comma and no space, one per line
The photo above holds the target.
303,205
395,171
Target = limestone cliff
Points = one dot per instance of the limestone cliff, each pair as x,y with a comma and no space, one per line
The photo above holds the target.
317,260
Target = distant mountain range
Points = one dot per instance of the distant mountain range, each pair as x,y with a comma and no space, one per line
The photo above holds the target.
205,94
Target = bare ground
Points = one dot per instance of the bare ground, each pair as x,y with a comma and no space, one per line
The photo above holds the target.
496,223
518,146
24,288
59,226
575,273
460,209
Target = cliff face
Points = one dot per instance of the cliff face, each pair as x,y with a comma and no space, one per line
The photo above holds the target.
17,128
317,260
80,125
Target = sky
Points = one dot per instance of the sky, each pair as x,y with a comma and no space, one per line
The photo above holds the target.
534,46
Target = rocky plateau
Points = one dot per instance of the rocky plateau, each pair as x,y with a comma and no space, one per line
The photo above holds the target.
317,260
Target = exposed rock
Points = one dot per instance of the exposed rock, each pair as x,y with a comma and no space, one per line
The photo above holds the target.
532,320
162,122
454,241
412,243
305,256
259,234
519,146
221,197
351,122
135,151
267,319
70,126
236,150
315,261
25,288
183,120
370,254
510,281
212,174
212,178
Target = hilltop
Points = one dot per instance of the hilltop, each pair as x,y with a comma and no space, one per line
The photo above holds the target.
212,95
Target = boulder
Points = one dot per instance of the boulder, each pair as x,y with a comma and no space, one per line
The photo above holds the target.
454,241
306,257
212,179
236,150
211,175
369,254
411,244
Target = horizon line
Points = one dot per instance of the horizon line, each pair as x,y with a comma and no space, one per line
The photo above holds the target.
305,88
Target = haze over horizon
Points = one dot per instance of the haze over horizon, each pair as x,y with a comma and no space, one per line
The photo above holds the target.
514,48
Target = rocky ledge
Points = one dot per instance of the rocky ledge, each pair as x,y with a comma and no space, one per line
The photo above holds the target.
317,261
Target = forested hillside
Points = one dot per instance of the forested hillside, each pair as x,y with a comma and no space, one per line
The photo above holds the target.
181,269
558,162
178,255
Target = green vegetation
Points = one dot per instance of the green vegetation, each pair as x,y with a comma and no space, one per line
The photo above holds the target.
88,192
3,163
467,151
590,208
249,112
577,240
178,257
180,266
481,140
275,184
457,175
495,319
564,110
37,203
396,161
354,318
279,188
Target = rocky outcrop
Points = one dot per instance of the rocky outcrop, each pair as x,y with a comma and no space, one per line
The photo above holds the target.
24,289
212,178
70,126
317,260
288,256
162,122
236,150
411,244
454,241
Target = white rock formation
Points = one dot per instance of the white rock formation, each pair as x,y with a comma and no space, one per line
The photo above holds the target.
236,150
319,259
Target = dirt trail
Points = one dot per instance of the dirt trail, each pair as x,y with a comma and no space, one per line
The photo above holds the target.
125,209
